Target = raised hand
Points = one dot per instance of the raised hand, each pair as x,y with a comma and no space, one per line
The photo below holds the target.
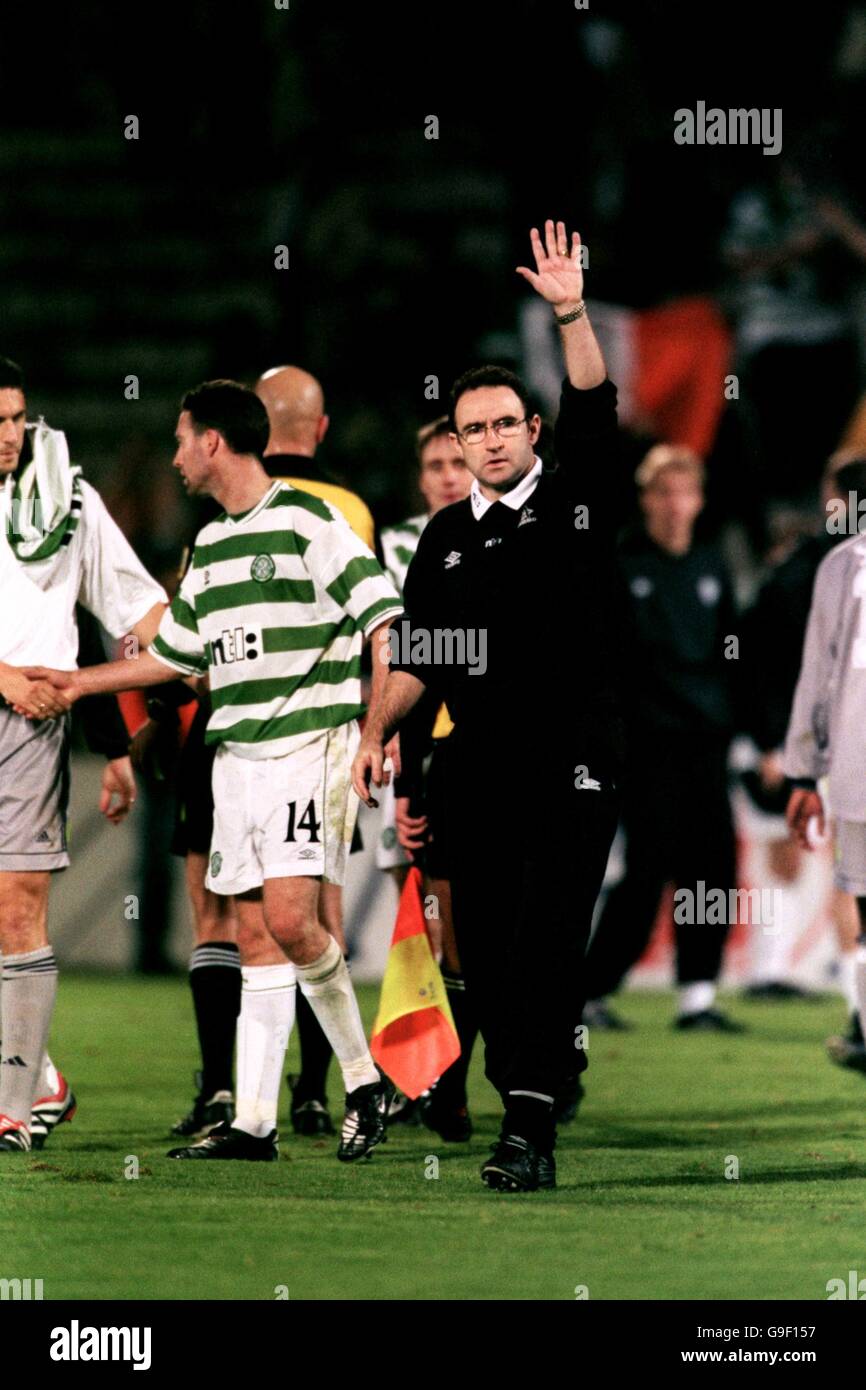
558,276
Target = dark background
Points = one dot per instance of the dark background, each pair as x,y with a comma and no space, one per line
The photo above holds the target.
305,127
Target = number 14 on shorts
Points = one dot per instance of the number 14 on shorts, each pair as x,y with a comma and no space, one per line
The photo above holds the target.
308,822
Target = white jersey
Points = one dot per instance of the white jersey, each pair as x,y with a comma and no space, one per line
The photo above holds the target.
98,568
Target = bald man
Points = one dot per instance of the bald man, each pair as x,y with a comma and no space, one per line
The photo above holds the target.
296,410
295,404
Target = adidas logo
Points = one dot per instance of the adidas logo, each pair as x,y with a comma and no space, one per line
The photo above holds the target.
43,838
452,559
526,516
14,1062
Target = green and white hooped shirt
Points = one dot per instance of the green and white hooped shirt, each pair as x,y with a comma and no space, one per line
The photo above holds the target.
274,607
399,544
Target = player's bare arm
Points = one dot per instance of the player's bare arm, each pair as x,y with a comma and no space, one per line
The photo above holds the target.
400,693
107,679
147,627
558,278
381,656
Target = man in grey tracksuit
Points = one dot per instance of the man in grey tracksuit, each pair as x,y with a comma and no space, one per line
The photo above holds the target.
826,739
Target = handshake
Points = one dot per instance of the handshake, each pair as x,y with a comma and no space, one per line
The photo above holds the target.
36,691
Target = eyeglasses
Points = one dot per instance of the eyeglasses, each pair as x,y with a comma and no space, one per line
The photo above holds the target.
505,428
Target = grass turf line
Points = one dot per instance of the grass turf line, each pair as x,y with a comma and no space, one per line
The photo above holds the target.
642,1210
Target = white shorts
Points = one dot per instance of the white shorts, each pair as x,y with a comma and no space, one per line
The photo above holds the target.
849,857
283,817
390,854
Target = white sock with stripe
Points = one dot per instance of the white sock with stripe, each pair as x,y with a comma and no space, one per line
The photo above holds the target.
328,986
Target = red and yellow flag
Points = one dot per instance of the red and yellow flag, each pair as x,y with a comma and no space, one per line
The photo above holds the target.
414,1039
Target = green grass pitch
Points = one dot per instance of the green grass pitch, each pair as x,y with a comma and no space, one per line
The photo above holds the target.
643,1209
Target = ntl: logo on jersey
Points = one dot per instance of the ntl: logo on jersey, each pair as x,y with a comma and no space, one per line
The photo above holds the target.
737,126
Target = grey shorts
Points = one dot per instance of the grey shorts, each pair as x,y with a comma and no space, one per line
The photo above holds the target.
849,857
34,792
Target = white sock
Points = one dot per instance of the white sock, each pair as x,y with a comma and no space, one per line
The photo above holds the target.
696,997
49,1081
771,941
860,980
264,1026
848,978
326,983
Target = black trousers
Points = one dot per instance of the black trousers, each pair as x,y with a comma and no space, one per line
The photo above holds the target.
527,857
679,829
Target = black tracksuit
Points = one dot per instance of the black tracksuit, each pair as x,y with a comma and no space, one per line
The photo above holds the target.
681,712
527,847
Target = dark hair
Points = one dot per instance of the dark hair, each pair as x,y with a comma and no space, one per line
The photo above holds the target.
11,375
851,477
232,409
434,430
487,376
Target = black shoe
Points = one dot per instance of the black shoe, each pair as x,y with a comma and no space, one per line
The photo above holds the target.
709,1021
225,1142
365,1120
847,1054
567,1102
451,1122
597,1014
310,1116
403,1111
855,1032
50,1111
14,1137
772,990
515,1165
206,1115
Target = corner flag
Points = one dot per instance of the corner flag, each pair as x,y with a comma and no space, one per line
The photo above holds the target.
414,1039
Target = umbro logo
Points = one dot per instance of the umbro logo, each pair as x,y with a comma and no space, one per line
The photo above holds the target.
526,516
452,559
307,854
14,1062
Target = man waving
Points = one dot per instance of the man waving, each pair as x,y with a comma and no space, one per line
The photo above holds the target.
523,571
